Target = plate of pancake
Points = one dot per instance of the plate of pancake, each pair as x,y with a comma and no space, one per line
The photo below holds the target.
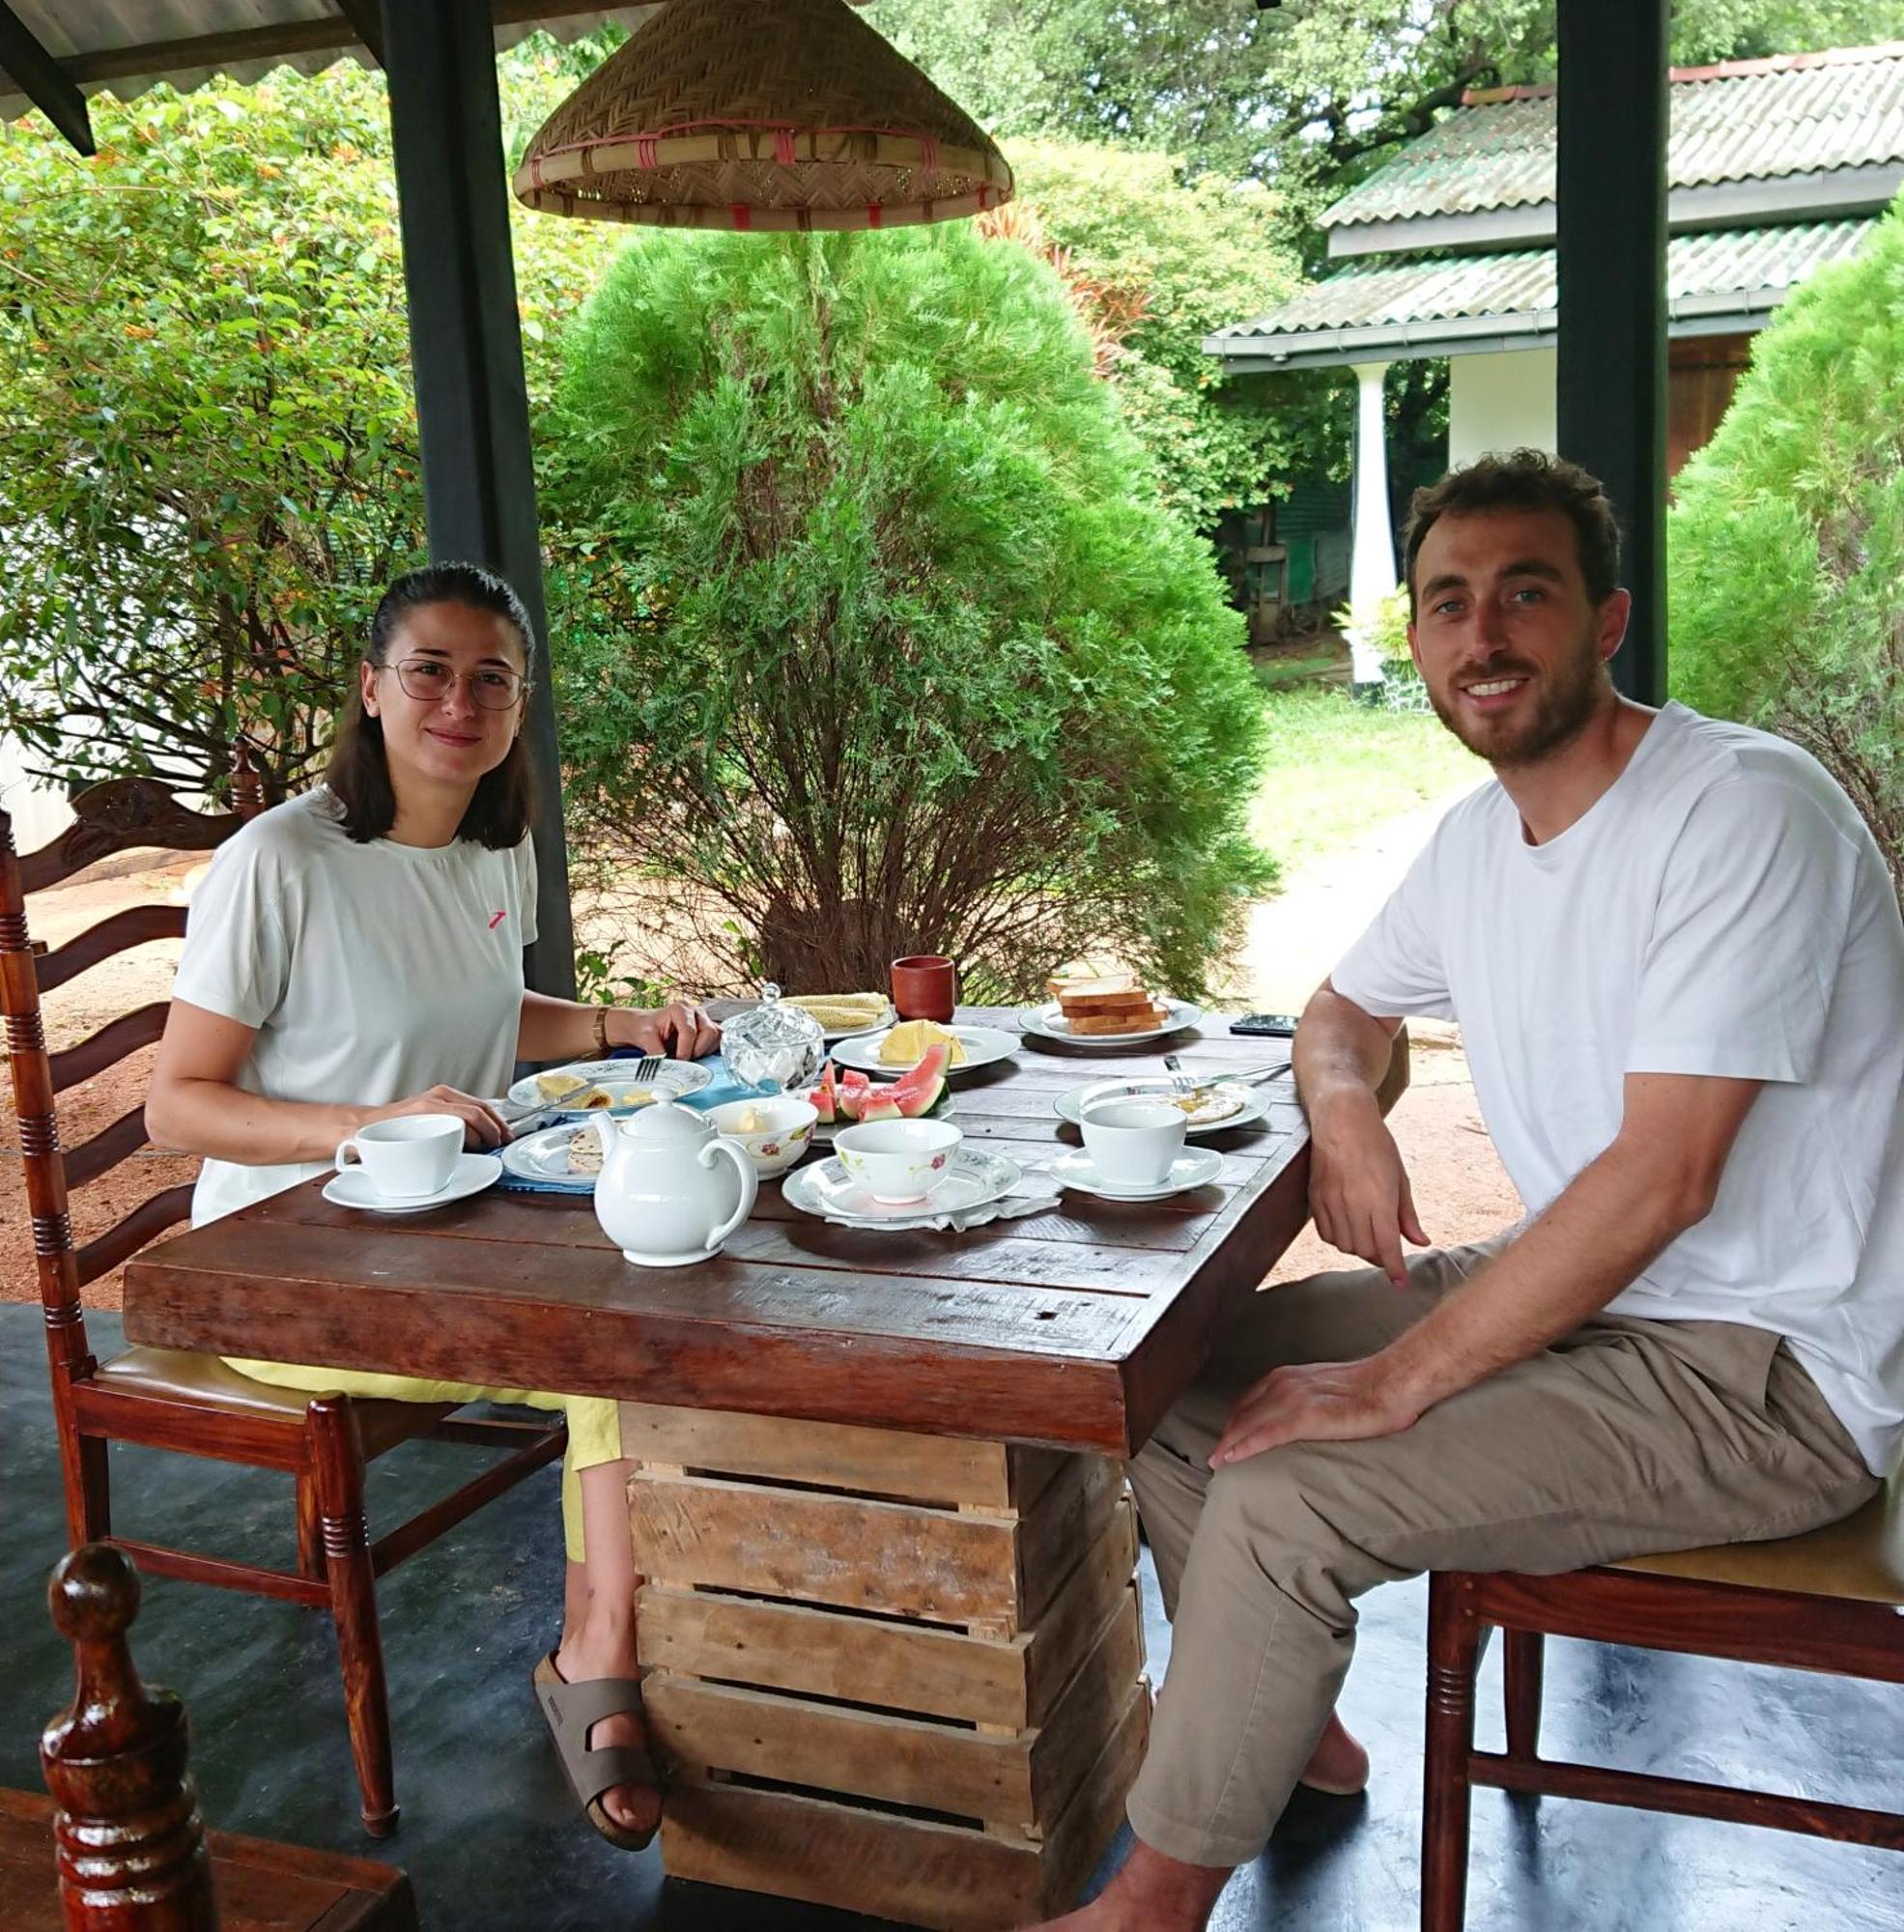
606,1086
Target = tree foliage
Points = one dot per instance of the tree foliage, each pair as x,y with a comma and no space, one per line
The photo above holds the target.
207,446
1786,544
1177,258
875,635
1307,96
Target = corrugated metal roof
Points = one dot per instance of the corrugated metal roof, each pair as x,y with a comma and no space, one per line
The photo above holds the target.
1755,120
73,28
1740,262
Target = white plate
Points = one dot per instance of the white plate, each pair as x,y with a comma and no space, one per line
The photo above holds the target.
1048,1022
1196,1167
972,1178
984,1046
544,1158
616,1076
1071,1104
471,1174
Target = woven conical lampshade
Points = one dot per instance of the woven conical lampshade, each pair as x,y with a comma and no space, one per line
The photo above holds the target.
770,114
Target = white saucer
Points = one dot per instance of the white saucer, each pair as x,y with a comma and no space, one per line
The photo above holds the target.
1195,1167
472,1173
972,1178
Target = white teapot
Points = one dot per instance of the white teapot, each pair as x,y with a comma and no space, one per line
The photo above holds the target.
665,1197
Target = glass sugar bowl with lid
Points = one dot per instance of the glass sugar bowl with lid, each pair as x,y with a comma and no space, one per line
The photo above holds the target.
773,1046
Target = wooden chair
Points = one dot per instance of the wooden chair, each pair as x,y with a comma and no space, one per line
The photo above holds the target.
1829,1600
123,1847
170,1399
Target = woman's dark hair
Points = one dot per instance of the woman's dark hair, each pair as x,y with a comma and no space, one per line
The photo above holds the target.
1524,479
359,773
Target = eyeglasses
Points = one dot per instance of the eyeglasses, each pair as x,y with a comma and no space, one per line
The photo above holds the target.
429,680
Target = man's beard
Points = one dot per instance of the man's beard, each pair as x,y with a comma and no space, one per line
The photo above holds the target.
1563,705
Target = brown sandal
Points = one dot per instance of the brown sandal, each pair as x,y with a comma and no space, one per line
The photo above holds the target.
570,1711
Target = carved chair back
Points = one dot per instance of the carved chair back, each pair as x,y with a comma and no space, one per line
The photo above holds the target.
114,816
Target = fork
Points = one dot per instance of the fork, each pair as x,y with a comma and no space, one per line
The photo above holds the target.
648,1067
1181,1084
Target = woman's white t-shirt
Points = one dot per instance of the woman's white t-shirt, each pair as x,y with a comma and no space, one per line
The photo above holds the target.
1722,910
370,971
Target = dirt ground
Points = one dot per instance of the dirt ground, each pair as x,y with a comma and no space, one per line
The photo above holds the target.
1459,1184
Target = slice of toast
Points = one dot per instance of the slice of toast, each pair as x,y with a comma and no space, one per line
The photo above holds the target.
1105,1003
1085,985
1139,1020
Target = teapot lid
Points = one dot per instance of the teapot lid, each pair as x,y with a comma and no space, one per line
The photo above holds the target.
665,1123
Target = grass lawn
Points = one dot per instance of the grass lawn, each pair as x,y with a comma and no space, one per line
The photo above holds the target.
1336,768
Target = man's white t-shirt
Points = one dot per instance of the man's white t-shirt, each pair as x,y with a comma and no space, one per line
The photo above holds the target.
1722,909
372,971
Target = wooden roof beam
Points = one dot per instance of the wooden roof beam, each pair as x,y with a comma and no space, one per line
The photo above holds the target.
366,18
333,32
43,81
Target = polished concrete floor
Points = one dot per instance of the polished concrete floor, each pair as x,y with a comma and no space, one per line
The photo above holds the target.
490,1843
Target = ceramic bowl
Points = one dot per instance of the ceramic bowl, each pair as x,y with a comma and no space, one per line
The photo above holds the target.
774,1131
897,1160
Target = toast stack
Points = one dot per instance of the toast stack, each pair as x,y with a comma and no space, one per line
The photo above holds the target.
1107,1003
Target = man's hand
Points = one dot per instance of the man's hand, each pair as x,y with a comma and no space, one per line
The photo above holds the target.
680,1031
1315,1402
1359,1189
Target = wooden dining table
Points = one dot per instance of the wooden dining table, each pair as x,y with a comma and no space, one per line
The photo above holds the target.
877,1494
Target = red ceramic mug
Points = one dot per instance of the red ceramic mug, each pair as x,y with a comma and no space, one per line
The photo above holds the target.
924,988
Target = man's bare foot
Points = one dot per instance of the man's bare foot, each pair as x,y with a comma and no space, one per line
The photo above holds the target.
1338,1765
1151,1893
610,1652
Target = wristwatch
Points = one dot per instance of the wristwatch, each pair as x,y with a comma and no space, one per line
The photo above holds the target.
601,1032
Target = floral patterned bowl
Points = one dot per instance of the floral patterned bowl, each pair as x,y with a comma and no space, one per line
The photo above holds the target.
774,1131
898,1161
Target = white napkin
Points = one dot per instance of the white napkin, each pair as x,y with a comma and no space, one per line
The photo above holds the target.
1037,1194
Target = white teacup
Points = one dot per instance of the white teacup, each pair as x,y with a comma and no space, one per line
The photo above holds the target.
897,1160
1132,1142
408,1157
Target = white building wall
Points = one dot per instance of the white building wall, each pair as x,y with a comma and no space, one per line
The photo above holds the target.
1503,401
40,811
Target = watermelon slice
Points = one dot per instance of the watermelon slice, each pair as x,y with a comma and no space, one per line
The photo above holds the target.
918,1091
852,1094
825,1096
880,1105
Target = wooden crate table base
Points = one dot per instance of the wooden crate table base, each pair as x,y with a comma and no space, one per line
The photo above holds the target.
896,1674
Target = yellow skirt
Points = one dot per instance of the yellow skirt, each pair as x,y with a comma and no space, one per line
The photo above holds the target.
594,1421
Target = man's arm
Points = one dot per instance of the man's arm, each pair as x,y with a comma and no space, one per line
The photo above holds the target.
1359,1189
1659,1178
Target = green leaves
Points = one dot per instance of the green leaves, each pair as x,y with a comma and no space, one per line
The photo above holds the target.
1786,542
895,646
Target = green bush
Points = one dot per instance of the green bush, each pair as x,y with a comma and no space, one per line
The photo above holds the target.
1787,541
872,635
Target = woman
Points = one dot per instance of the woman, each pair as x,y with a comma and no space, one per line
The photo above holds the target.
354,955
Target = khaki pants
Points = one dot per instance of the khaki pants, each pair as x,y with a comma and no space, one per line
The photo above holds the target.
1628,1436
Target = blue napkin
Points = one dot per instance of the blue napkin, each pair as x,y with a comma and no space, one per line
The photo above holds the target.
724,1086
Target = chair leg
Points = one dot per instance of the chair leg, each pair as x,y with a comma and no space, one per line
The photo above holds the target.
89,1491
310,1527
337,1472
1454,1647
1522,1669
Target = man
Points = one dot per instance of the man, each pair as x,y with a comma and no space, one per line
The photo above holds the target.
1678,965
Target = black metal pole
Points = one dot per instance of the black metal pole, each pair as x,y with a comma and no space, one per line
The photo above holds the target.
1610,234
466,363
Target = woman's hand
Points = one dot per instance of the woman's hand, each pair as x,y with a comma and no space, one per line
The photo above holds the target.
680,1031
482,1126
1359,1189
